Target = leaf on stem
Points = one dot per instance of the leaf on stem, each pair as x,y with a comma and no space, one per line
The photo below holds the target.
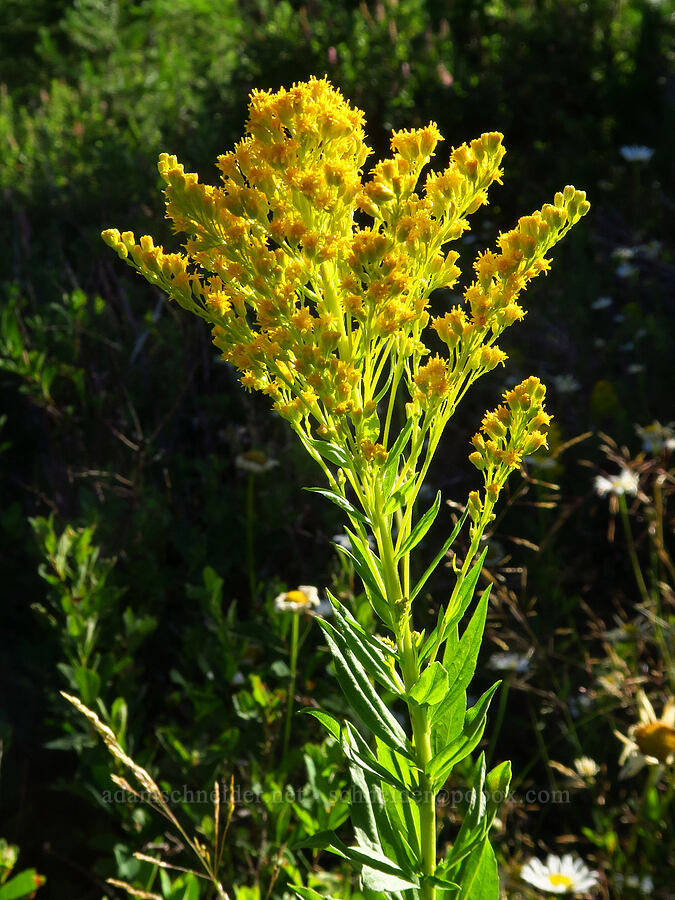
357,751
421,528
371,653
332,453
460,660
464,596
360,693
439,556
341,502
442,763
389,470
329,722
431,686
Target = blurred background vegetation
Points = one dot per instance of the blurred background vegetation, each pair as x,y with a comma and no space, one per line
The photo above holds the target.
123,513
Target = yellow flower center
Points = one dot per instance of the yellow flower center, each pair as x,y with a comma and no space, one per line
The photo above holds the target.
296,597
255,456
557,880
656,739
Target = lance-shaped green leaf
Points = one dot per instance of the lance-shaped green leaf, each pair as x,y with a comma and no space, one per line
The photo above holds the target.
25,884
357,751
402,810
331,452
341,502
421,528
389,471
447,721
448,620
478,874
372,653
369,570
461,665
439,556
488,793
372,826
431,686
464,597
442,763
473,829
332,725
360,693
398,498
305,893
372,859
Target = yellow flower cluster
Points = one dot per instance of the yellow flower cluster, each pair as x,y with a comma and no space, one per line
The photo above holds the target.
508,433
321,310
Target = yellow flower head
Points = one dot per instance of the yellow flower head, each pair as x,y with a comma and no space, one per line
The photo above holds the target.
325,315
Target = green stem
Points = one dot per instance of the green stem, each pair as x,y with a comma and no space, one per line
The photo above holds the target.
291,683
250,518
422,743
637,571
418,715
501,712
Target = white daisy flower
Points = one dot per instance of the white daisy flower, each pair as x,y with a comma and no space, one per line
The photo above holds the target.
566,384
509,662
657,437
636,153
255,461
651,742
626,482
302,600
566,875
587,768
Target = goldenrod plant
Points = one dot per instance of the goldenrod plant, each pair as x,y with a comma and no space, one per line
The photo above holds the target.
316,280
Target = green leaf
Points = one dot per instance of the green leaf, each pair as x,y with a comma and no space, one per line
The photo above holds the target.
370,427
89,684
401,808
305,893
340,502
478,875
390,468
399,498
473,825
357,751
431,686
421,528
369,570
371,653
464,596
439,556
447,720
322,840
442,763
372,858
360,693
333,453
375,880
462,664
192,890
22,885
329,722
